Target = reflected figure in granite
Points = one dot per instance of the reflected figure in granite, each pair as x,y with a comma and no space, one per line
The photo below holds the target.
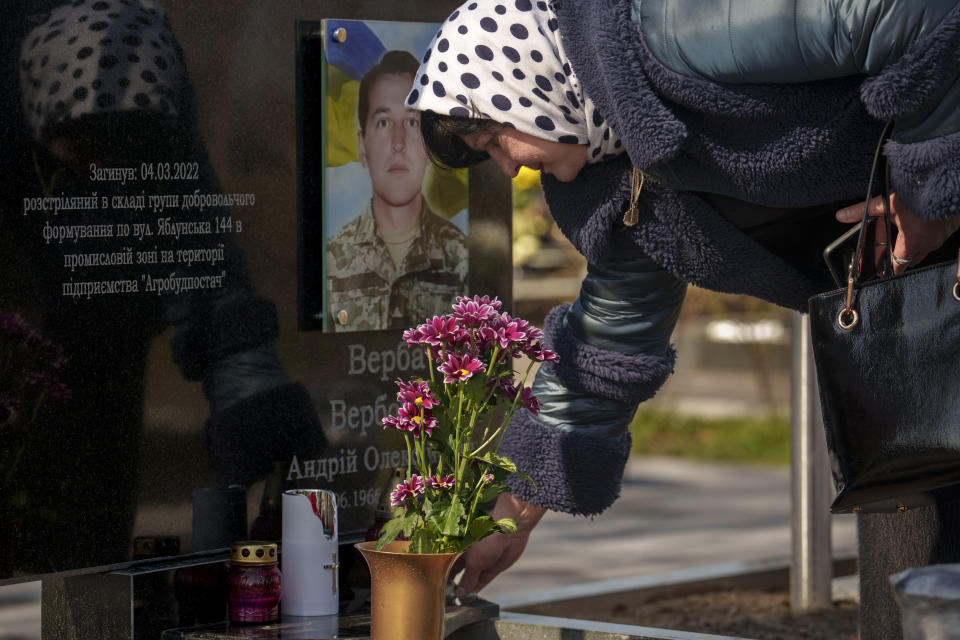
398,262
88,87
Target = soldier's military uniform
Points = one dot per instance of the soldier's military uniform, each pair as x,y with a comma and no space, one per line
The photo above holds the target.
366,291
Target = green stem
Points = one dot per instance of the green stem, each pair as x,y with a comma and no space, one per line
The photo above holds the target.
493,360
476,499
421,453
456,438
513,407
499,429
427,462
430,362
406,439
466,443
13,465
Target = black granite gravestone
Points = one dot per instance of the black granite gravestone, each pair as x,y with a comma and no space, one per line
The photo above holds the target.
171,353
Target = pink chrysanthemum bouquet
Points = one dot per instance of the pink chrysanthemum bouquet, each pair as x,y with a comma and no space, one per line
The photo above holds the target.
454,423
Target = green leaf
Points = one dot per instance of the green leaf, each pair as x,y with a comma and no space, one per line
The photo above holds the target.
393,528
498,461
451,521
421,542
428,506
507,525
19,499
491,491
437,512
480,528
506,464
475,389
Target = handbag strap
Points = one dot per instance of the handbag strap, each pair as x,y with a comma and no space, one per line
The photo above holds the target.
848,316
956,285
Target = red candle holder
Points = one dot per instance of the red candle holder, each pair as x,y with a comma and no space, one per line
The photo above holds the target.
254,582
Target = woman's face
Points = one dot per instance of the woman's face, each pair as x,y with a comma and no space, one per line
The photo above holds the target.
512,149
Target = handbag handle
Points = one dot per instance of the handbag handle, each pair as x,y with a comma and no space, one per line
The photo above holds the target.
848,317
956,285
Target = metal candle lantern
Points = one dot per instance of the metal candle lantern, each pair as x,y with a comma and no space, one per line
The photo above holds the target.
254,578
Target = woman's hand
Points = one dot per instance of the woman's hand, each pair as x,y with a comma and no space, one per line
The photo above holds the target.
917,236
485,560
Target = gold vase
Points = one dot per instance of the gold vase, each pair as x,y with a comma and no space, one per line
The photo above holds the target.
408,591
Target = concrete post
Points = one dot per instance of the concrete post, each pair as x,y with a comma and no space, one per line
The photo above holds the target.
811,567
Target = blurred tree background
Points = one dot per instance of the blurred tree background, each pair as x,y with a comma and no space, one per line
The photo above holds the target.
729,397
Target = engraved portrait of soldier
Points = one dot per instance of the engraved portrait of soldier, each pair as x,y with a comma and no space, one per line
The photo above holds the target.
393,248
398,262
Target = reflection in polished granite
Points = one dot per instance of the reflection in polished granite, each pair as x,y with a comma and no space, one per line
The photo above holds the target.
146,424
353,625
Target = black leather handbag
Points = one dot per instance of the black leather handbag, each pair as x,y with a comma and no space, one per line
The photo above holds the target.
888,359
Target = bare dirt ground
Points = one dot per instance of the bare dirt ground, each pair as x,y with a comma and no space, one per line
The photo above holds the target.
756,614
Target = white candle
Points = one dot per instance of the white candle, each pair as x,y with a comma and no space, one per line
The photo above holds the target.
309,559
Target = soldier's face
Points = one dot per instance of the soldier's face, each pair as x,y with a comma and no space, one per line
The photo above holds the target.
391,146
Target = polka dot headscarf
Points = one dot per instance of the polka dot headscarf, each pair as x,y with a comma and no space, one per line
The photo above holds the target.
99,56
505,58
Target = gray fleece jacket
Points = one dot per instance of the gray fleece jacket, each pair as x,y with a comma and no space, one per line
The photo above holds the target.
759,118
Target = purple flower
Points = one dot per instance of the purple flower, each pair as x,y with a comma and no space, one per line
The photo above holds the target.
510,334
486,336
414,415
487,477
418,392
412,336
474,312
440,482
545,355
399,495
13,324
416,485
405,490
530,401
460,368
8,408
438,331
415,419
495,302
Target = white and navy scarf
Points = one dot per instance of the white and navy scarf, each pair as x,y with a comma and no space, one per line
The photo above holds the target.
99,56
505,59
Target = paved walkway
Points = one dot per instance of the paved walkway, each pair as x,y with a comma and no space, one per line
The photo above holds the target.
672,514
20,611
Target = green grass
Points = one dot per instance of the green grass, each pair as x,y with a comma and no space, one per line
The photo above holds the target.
761,440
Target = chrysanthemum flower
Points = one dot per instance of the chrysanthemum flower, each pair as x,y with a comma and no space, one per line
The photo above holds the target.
399,495
412,336
494,303
439,331
473,312
530,401
486,336
415,484
460,368
511,333
405,490
440,482
545,355
417,392
415,419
